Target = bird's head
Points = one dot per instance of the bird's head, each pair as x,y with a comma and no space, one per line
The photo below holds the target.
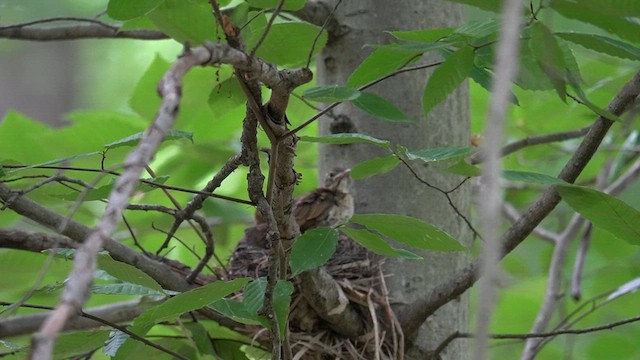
339,179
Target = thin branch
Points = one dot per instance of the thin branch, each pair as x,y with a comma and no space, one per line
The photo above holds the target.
148,182
76,292
535,140
513,215
265,32
324,25
74,32
108,315
414,314
443,192
363,87
507,63
461,335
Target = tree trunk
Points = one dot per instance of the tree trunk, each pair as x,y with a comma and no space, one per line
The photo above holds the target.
363,23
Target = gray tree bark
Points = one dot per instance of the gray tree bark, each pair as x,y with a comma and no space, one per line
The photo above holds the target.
363,23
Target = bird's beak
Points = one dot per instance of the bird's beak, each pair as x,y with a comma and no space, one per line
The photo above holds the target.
343,174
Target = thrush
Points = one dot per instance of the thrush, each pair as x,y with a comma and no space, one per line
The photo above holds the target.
329,205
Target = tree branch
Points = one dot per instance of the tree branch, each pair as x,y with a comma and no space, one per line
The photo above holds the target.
414,314
74,32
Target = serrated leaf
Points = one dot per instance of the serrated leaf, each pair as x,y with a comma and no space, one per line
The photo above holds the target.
126,272
313,249
346,138
440,154
376,243
236,311
409,231
134,139
331,93
185,21
446,78
549,57
272,4
113,343
380,108
124,289
375,166
381,62
425,35
531,177
603,44
604,211
618,25
254,295
185,302
127,9
626,288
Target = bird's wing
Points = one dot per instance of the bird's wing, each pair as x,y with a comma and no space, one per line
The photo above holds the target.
312,210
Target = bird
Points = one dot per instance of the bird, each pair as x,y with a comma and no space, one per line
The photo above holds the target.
329,205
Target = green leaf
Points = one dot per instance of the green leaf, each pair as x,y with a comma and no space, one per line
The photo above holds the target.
144,101
313,249
254,295
549,56
126,272
381,62
236,311
331,93
380,108
426,35
440,154
185,21
483,78
446,78
624,8
376,243
463,168
281,303
113,343
603,44
124,289
586,102
273,4
201,338
227,96
71,345
604,211
187,301
127,9
618,25
531,177
408,230
346,138
375,166
288,43
55,161
134,139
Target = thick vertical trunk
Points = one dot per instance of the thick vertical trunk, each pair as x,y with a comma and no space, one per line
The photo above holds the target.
364,22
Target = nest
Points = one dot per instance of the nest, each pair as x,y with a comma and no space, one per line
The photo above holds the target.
358,273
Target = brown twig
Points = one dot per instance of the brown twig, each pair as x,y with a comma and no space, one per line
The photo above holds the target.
264,34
